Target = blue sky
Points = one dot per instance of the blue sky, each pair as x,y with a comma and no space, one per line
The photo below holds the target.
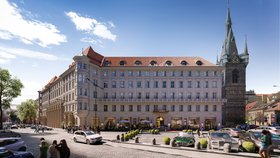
39,38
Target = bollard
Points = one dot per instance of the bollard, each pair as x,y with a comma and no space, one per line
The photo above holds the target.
154,141
173,143
118,137
137,140
197,145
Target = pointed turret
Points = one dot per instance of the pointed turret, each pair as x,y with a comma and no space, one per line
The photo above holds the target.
245,55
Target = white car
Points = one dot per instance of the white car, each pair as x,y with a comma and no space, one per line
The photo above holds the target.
273,130
88,137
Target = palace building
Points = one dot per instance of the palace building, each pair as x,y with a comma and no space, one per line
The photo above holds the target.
175,92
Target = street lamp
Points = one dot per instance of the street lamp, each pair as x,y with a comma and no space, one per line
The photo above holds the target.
95,105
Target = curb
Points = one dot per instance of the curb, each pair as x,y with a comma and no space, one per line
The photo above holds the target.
186,148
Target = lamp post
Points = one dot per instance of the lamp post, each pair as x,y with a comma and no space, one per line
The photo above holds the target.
95,97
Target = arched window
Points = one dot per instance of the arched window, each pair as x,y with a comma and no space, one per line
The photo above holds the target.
153,63
198,62
235,76
137,62
107,63
122,62
184,63
168,63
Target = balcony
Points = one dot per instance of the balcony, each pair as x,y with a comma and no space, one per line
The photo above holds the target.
161,100
160,111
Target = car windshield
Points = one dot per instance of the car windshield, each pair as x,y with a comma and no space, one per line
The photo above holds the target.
220,135
89,132
188,134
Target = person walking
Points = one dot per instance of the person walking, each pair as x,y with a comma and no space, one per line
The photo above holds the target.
43,149
63,149
52,150
264,144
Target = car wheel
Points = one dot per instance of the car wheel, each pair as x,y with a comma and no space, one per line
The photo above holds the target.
22,149
88,142
75,140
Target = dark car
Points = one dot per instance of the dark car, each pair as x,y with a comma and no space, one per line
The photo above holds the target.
8,133
184,139
5,153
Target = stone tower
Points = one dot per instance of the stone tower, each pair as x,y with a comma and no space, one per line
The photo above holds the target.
234,78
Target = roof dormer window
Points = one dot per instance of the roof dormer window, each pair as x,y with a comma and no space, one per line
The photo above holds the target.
107,63
122,62
184,63
168,63
199,62
138,62
153,63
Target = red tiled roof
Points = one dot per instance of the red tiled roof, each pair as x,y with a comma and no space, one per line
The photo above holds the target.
100,60
275,106
251,105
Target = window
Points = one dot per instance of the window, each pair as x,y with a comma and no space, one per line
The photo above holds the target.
197,84
105,107
172,84
114,95
80,106
114,84
153,63
189,95
173,73
155,84
94,107
147,107
184,63
122,62
155,107
197,108
129,73
215,73
122,95
206,95
155,73
181,84
172,95
189,108
122,107
235,76
156,95
197,73
137,62
138,73
121,84
214,95
105,84
105,73
163,94
105,95
147,73
214,107
122,74
206,73
206,84
85,92
163,84
80,65
206,108
138,84
130,84
181,107
107,63
84,66
199,62
94,94
172,108
139,95
114,108
168,63
147,95
147,85
80,91
190,74
197,95
214,84
181,73
163,73
85,105
138,108
130,95
114,73
181,96
130,108
189,84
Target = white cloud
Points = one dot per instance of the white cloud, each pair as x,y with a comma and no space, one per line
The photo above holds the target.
30,91
13,24
91,26
6,54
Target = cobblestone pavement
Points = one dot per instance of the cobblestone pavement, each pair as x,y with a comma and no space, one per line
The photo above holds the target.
121,150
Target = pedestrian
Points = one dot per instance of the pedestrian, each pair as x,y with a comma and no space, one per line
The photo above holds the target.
43,149
52,150
269,144
264,144
63,149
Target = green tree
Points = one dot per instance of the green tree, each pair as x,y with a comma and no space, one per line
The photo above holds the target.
10,88
13,116
27,111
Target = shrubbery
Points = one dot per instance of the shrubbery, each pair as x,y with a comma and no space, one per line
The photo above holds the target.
187,131
166,140
203,142
154,131
249,146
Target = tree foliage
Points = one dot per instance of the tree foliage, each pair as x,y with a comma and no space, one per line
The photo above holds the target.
27,111
10,88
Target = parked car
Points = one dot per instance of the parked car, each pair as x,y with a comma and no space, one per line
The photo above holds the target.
255,137
234,132
5,153
184,139
88,137
13,143
217,139
274,130
8,133
14,127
